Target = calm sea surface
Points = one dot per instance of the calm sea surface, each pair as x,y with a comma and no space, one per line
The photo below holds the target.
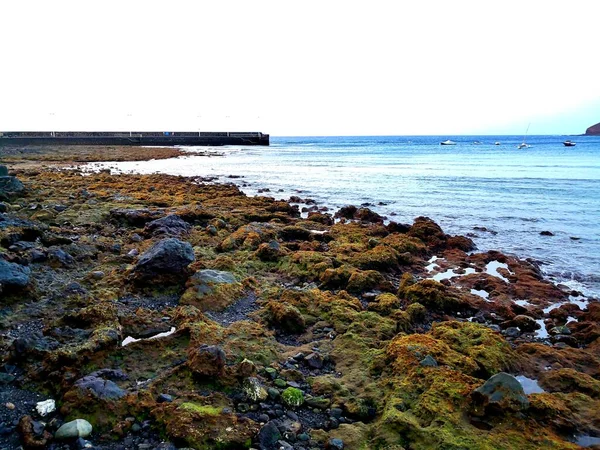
516,194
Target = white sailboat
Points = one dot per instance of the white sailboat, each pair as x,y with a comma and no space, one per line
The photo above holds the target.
524,143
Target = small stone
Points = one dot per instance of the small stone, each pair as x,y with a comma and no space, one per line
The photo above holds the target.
280,383
164,398
271,373
254,390
428,361
73,429
264,418
273,393
335,444
513,332
314,360
336,412
318,402
97,275
10,405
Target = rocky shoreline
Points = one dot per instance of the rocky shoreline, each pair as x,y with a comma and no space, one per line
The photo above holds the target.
168,312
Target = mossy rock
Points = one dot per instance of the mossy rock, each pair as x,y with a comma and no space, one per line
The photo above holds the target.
433,295
293,397
385,303
364,281
286,317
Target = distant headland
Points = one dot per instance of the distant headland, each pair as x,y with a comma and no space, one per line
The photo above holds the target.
594,130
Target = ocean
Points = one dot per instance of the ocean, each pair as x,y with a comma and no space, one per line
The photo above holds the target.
500,196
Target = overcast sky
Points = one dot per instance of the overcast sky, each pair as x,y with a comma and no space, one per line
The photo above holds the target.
301,68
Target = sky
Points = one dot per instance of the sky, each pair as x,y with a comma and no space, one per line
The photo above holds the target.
292,68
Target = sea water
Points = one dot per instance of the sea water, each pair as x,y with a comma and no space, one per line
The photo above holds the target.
468,188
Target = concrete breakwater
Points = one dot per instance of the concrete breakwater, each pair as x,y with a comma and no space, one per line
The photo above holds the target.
134,138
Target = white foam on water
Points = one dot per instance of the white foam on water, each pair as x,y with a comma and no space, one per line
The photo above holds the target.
129,339
530,386
492,269
582,302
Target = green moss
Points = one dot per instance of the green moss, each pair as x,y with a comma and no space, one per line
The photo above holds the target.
293,396
202,410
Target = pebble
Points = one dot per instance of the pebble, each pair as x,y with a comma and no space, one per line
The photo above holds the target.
10,405
45,407
73,429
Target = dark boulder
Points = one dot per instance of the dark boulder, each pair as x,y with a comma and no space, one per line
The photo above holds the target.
500,392
134,217
268,436
171,225
13,275
169,256
99,387
10,187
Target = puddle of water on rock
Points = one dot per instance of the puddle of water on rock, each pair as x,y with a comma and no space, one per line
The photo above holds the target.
432,265
530,386
542,333
585,440
129,339
579,301
451,274
492,269
522,303
481,293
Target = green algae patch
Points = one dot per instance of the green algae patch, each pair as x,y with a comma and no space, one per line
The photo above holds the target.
201,410
293,397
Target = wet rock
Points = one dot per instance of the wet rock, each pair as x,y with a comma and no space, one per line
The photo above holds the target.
207,360
346,212
268,436
523,322
501,391
99,387
562,329
171,225
512,332
75,428
169,256
546,233
13,275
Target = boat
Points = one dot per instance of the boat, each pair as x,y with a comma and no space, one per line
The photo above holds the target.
448,142
496,143
524,144
569,144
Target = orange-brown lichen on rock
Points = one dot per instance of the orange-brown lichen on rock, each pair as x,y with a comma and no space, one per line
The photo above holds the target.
433,295
203,423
